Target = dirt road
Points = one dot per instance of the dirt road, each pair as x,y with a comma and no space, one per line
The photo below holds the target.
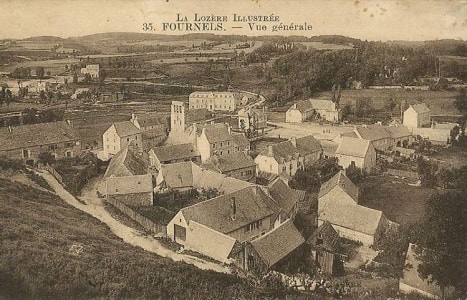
95,208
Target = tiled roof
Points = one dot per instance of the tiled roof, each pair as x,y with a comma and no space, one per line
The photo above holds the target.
278,243
196,116
175,152
126,128
233,161
37,134
421,108
372,132
355,217
126,163
323,104
344,182
398,131
240,140
252,204
302,106
178,175
216,133
283,151
284,196
328,235
307,145
353,147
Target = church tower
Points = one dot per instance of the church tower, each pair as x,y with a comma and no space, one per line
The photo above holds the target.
177,116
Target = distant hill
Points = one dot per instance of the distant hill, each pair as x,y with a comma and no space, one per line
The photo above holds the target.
39,233
44,38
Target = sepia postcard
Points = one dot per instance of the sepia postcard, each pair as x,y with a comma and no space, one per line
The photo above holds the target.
247,149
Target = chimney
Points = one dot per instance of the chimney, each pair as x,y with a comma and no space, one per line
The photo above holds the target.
233,206
9,129
204,131
229,128
133,117
70,123
294,142
270,151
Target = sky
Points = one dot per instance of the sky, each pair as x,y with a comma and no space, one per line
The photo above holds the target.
383,20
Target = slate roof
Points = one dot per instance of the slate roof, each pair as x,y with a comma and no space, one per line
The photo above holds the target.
302,106
278,243
126,128
398,131
322,104
233,161
283,151
175,152
252,204
178,175
37,134
126,163
353,147
307,145
329,236
339,180
284,196
240,140
146,120
372,132
216,133
196,115
420,108
355,217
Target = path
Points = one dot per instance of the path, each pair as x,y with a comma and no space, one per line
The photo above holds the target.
95,208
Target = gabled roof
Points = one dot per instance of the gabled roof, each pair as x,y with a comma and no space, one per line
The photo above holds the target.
355,217
240,140
178,175
284,196
372,132
196,116
420,108
146,120
340,180
175,152
353,147
216,133
233,161
252,204
126,128
283,151
307,145
302,106
37,134
126,163
398,131
329,237
323,104
278,243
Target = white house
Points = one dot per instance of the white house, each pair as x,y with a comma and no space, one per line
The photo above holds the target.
338,205
321,108
417,115
279,158
92,70
119,135
379,136
357,152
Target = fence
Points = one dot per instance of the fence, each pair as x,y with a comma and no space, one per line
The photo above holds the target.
138,218
52,171
403,173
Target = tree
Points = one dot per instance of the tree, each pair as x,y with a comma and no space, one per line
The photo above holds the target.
306,180
87,78
40,72
389,105
428,172
441,240
355,174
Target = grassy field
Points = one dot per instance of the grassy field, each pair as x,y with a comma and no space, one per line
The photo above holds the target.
440,102
51,250
399,201
55,66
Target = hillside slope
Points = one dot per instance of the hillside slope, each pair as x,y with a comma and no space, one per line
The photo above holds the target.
40,257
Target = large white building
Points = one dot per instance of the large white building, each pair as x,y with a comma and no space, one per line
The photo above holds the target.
357,152
223,101
92,70
306,109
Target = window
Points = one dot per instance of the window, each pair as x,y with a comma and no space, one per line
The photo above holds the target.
253,226
221,144
127,139
68,154
213,146
53,147
26,153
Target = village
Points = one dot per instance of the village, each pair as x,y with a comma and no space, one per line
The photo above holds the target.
216,179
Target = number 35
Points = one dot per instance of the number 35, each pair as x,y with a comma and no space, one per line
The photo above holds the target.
147,27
